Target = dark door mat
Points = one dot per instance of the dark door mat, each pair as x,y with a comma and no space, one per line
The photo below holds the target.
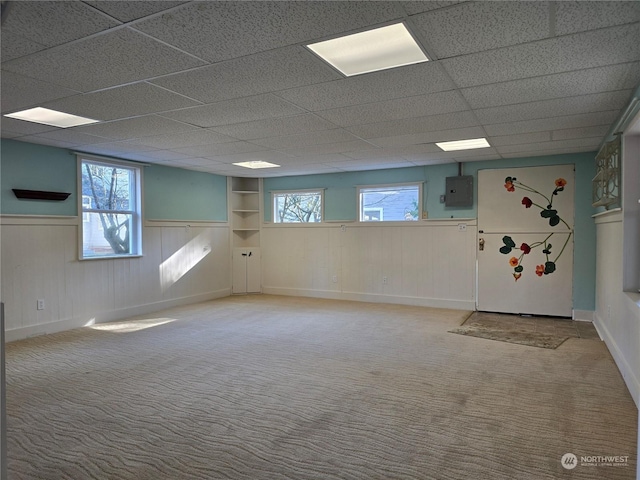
541,332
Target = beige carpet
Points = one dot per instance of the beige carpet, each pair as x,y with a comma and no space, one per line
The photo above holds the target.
265,387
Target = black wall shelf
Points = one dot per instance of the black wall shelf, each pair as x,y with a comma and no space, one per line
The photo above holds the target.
40,195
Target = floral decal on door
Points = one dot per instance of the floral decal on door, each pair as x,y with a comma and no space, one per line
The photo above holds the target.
518,253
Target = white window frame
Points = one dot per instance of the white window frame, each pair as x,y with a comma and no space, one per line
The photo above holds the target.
274,210
135,201
389,186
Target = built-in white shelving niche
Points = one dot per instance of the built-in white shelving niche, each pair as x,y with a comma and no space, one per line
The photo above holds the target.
606,183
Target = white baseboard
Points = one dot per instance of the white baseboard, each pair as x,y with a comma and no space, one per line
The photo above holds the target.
110,316
583,315
630,379
373,298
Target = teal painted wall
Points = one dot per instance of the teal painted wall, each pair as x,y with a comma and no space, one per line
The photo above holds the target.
36,167
169,193
341,202
177,194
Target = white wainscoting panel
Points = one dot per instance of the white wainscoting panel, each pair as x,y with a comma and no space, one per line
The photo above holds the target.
617,315
180,264
427,263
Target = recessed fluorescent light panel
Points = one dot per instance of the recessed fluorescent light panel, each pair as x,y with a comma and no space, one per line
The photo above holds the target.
256,164
51,117
463,144
370,51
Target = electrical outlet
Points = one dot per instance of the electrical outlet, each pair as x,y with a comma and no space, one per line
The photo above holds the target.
462,227
384,280
334,279
40,304
343,228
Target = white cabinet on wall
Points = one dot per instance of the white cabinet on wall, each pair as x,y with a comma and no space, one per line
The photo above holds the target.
246,270
245,205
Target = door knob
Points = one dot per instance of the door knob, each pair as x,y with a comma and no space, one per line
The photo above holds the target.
481,244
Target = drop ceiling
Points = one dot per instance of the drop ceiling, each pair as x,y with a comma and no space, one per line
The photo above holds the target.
204,85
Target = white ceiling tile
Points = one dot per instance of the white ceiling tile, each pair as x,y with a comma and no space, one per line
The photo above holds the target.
477,26
445,121
581,132
275,127
14,46
553,145
556,123
20,92
476,158
408,81
521,138
260,73
217,31
580,82
435,103
328,148
47,141
264,155
430,137
537,152
25,128
71,135
219,149
82,66
207,162
8,134
126,11
555,55
306,159
162,155
483,153
420,6
122,102
150,125
579,16
554,108
307,139
373,164
201,136
72,20
404,151
114,148
235,111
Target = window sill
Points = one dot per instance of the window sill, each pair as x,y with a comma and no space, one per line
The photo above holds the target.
110,257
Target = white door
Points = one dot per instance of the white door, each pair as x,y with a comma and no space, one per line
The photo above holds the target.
246,270
525,240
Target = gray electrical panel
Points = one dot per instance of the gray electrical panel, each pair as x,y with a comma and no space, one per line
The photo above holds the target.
459,191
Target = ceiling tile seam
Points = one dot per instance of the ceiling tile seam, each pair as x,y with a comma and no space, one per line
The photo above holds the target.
546,75
166,44
465,102
133,117
422,42
96,10
552,99
540,40
558,116
323,64
67,44
548,116
146,17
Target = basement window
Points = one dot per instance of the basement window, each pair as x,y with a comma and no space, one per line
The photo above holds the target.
303,206
390,203
111,209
